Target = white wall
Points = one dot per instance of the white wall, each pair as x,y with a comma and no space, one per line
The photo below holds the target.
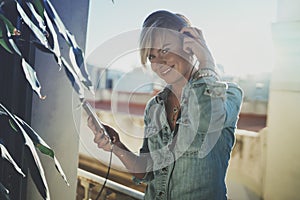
282,180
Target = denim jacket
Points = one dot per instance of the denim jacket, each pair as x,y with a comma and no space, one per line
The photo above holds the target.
191,162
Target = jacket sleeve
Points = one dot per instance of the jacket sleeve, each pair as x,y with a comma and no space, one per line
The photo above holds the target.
233,103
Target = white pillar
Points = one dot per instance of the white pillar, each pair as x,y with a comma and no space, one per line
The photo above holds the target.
282,179
53,118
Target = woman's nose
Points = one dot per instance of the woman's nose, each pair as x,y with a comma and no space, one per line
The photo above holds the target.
160,59
155,66
158,63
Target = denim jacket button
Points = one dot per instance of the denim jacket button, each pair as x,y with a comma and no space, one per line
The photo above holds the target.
165,169
160,193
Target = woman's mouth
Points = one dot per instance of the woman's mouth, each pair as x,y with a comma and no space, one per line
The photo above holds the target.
167,71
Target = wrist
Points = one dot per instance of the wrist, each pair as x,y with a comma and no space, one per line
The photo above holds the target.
118,149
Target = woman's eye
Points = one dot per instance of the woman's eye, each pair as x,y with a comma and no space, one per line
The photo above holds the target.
150,57
164,51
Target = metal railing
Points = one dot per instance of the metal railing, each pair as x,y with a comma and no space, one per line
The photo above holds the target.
109,184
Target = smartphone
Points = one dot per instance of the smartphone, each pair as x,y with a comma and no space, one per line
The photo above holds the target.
89,110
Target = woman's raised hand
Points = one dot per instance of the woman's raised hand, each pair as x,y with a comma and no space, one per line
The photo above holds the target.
194,43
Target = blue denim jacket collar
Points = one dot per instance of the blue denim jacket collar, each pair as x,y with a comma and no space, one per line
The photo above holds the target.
162,96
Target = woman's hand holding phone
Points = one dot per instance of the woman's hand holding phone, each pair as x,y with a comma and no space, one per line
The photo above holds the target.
101,139
105,136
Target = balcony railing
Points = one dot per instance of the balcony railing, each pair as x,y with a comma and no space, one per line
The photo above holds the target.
90,185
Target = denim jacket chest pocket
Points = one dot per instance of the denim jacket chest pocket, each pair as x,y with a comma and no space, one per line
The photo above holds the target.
202,119
158,145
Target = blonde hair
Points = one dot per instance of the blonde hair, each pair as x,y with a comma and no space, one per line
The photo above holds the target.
155,22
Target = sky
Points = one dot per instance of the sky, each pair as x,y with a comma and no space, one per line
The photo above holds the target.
238,32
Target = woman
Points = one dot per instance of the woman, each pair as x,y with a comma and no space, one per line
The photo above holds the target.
189,125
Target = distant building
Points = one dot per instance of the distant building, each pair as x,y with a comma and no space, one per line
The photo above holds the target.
254,110
255,86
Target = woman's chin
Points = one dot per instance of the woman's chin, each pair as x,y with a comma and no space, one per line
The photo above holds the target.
173,80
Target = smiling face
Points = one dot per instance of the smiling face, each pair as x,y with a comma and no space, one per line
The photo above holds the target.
167,57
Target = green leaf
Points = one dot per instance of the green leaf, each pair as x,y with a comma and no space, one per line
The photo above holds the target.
45,150
31,77
38,18
35,30
10,26
33,160
73,78
3,35
8,38
41,145
5,155
39,6
4,44
12,125
56,48
4,193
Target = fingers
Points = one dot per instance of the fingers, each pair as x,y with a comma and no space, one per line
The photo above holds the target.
102,140
195,43
91,124
192,32
191,41
99,136
112,133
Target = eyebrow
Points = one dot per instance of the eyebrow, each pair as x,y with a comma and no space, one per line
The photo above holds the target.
164,45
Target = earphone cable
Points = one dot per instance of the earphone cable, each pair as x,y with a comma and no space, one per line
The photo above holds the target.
107,174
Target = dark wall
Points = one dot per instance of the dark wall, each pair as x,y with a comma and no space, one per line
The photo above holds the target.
16,96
